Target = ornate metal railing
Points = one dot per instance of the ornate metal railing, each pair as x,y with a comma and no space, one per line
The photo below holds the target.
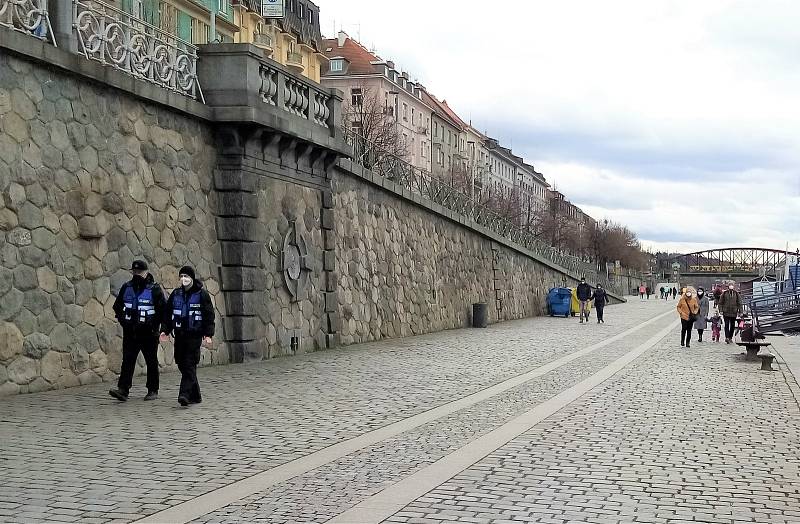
117,39
424,184
27,16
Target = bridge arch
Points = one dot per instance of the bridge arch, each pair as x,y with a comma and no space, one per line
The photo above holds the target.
735,262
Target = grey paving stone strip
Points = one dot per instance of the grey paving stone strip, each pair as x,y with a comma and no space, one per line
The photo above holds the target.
214,500
394,498
327,491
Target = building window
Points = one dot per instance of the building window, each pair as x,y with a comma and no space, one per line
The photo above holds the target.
356,96
300,12
413,117
405,112
337,64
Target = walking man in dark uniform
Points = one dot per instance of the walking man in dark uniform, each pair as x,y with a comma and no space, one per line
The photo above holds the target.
584,292
189,318
139,308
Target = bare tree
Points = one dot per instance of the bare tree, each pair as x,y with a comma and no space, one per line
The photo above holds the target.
376,137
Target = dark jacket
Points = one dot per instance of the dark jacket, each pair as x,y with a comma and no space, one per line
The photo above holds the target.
730,303
159,303
207,308
584,291
600,298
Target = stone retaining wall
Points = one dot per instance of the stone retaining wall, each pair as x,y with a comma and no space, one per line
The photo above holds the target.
90,179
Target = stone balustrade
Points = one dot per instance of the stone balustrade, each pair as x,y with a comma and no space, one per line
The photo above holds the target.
240,83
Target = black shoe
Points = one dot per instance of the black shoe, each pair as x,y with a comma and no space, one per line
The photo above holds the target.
118,394
151,395
682,344
198,401
183,401
688,346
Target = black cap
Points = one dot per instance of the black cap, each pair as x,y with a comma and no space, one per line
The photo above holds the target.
139,265
188,271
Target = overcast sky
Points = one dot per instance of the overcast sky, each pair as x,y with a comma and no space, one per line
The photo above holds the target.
676,118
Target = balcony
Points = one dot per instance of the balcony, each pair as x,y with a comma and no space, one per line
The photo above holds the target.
294,61
26,16
263,41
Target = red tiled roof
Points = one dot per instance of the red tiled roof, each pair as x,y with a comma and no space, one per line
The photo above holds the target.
442,109
359,57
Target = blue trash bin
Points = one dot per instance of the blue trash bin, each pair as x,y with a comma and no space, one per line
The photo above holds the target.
559,301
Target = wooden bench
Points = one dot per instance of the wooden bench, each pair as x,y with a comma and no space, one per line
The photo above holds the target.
753,348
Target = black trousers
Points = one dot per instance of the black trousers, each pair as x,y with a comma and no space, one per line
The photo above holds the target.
730,326
686,331
132,343
187,357
599,310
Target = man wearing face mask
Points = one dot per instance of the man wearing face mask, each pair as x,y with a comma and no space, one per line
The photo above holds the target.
189,317
584,293
730,305
139,308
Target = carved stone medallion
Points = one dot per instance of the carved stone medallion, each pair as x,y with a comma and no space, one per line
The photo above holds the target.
295,262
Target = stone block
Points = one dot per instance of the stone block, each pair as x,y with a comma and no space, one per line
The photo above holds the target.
237,203
327,219
36,345
52,368
235,180
243,303
243,279
90,227
327,200
11,341
23,370
243,329
241,253
334,323
331,281
329,261
252,351
25,278
331,302
240,228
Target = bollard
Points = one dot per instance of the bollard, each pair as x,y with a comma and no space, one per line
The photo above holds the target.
480,313
766,362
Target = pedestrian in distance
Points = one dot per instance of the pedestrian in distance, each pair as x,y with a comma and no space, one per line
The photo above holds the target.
642,290
674,292
716,326
661,291
600,298
139,308
730,305
584,292
648,292
189,318
688,309
702,317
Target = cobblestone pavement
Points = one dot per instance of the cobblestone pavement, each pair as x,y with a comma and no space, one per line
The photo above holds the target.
694,435
76,455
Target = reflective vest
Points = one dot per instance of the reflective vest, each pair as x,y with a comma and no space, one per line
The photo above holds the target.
139,309
187,315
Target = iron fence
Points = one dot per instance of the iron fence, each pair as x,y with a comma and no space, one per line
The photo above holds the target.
27,16
120,40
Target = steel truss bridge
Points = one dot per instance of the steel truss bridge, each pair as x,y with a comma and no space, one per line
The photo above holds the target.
731,261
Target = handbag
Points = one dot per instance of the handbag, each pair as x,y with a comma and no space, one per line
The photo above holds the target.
692,316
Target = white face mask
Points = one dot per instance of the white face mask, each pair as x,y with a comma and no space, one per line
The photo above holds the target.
730,287
689,295
186,281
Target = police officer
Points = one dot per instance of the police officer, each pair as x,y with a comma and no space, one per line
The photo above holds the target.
190,318
139,307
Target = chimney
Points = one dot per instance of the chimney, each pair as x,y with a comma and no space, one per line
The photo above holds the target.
342,37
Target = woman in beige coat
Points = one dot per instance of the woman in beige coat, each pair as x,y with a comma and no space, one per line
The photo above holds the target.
688,307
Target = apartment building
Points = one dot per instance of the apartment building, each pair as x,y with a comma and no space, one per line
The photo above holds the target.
293,40
374,84
185,19
448,158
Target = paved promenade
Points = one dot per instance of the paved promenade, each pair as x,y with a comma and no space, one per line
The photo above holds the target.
538,420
